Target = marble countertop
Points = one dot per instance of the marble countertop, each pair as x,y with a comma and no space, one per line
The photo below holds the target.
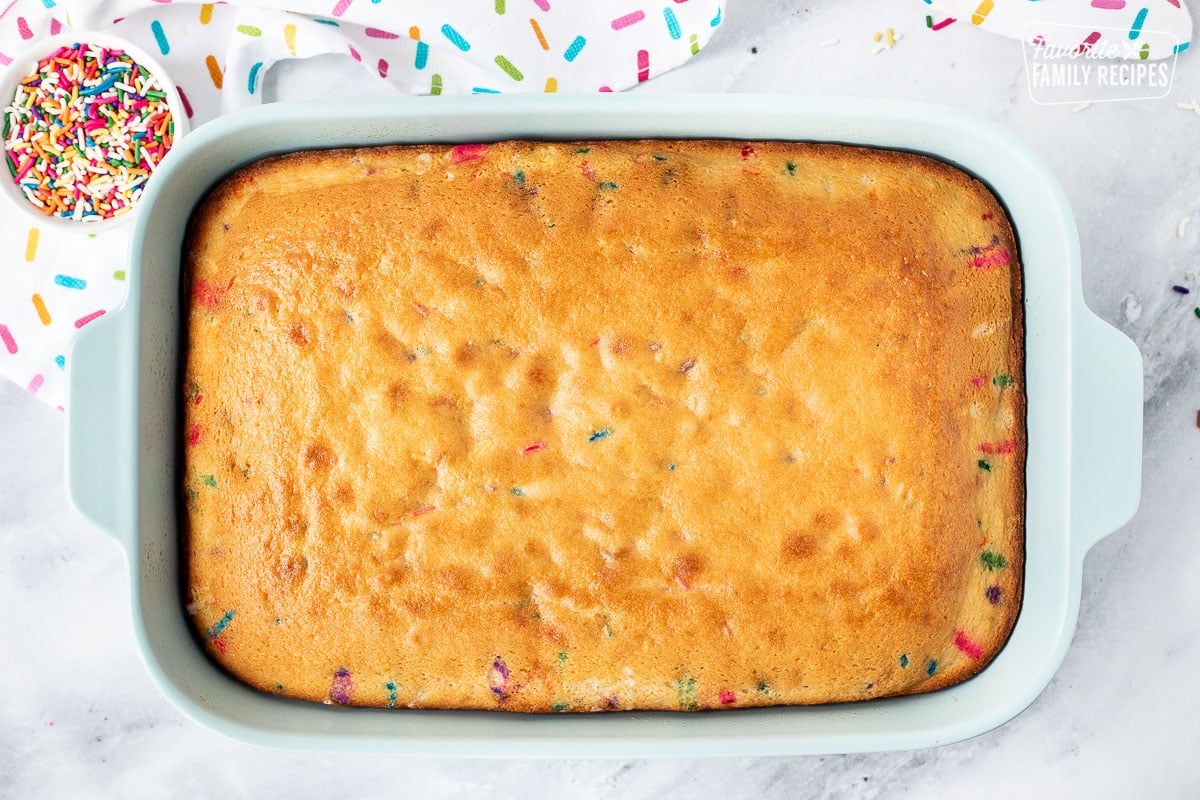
80,717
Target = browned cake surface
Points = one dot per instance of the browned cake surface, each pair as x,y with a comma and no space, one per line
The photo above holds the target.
611,425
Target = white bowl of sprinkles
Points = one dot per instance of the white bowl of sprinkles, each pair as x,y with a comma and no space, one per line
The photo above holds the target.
87,118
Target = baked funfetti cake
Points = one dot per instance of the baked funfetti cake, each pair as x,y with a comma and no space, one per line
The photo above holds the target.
540,426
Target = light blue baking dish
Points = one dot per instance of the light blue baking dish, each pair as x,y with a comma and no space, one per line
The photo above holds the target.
1084,385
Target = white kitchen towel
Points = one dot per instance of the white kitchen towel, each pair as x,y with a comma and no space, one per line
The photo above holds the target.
52,284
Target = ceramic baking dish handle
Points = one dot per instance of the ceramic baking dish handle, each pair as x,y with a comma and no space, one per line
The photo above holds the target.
1106,457
101,442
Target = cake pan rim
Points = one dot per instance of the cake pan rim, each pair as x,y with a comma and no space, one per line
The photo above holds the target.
875,725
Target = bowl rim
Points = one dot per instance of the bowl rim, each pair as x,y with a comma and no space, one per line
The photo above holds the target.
28,58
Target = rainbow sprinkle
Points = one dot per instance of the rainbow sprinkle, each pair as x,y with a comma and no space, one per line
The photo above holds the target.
341,688
685,689
967,646
216,630
84,131
992,560
498,680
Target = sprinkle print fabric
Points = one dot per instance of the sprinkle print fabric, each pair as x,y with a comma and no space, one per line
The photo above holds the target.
52,284
1061,23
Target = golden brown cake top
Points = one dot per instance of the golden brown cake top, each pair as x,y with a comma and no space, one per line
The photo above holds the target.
603,425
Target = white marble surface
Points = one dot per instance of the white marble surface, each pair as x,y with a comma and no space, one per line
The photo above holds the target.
79,717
